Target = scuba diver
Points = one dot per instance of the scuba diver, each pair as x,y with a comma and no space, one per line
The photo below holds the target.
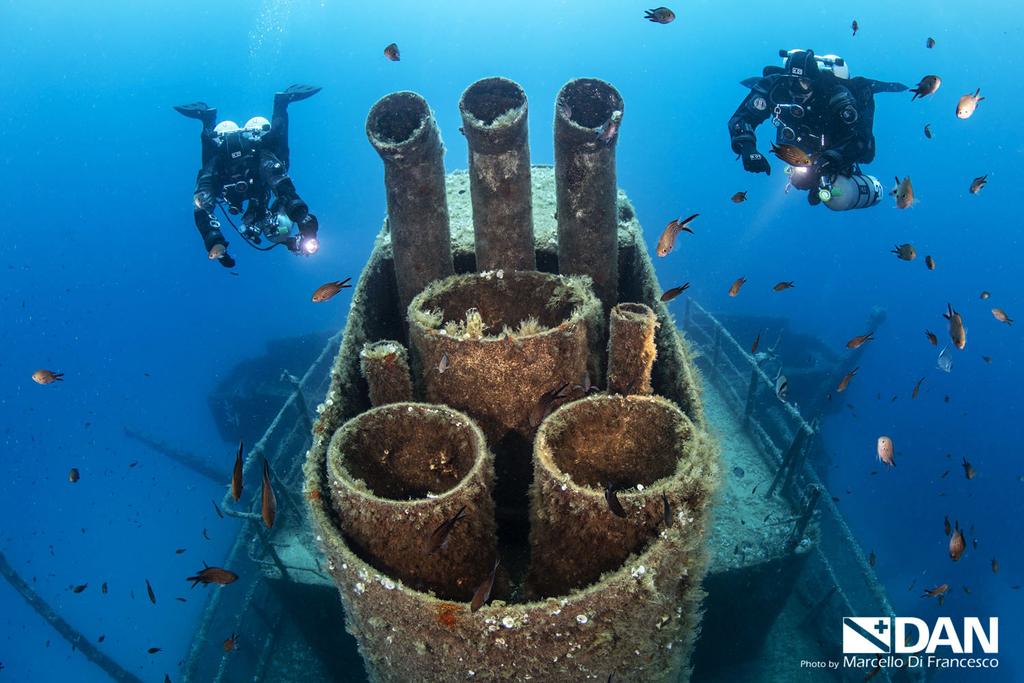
246,166
823,121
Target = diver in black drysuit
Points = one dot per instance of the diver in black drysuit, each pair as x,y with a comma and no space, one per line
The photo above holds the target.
828,116
245,166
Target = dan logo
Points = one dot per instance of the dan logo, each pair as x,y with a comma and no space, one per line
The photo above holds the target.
867,635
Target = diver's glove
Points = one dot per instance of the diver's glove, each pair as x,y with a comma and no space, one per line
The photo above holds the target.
754,161
828,163
306,243
227,260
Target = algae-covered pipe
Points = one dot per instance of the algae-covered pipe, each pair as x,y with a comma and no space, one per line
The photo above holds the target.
397,474
494,113
402,129
385,366
587,116
631,348
661,468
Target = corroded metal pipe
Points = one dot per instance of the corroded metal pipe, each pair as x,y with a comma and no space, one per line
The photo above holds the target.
587,115
494,112
402,129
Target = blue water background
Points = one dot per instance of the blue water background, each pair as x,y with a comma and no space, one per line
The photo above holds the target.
103,276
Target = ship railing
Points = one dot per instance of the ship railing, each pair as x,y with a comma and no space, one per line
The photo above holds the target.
252,608
837,580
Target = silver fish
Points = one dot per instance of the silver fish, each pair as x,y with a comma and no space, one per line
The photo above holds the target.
781,386
945,361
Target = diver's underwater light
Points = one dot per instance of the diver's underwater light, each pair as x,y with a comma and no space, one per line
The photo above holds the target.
310,245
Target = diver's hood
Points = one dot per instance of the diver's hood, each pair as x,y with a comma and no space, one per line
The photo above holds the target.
802,64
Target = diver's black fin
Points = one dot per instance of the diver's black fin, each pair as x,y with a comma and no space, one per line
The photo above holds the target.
749,82
296,93
197,110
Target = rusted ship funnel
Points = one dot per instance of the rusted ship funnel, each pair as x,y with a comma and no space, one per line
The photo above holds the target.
494,112
585,187
402,129
631,348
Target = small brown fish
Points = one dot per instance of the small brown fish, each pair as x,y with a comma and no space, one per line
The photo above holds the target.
917,388
1000,315
739,197
610,129
872,559
674,292
149,591
392,53
886,453
613,501
855,27
216,508
967,104
928,130
957,544
483,592
857,342
791,154
957,331
904,252
440,536
931,337
936,592
329,290
984,295
929,263
101,638
443,364
79,588
735,289
47,376
268,506
667,241
73,475
995,566
103,588
845,382
545,404
978,184
231,643
987,359
153,650
969,470
903,192
947,526
236,475
666,513
930,43
782,286
179,551
217,252
208,575
757,342
660,15
926,86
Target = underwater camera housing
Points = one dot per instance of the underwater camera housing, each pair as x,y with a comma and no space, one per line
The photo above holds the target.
834,63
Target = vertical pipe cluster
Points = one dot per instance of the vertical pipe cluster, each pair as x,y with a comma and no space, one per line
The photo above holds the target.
494,113
631,349
397,475
402,129
385,366
587,113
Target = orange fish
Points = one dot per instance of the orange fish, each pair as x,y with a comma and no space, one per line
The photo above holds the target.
1000,315
329,290
969,470
845,382
936,592
791,154
674,292
269,502
231,643
391,52
917,388
783,286
967,104
739,197
47,377
929,263
735,289
904,193
957,544
857,342
236,475
667,241
931,337
957,331
886,453
208,575
483,593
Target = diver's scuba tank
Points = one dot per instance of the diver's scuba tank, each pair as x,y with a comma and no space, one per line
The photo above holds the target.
857,191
